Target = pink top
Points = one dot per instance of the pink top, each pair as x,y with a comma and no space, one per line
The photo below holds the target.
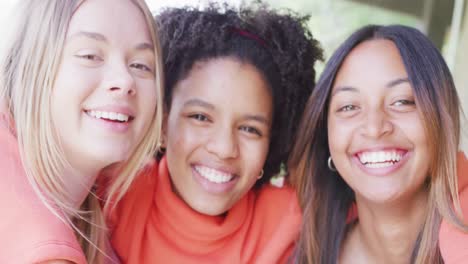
453,242
30,233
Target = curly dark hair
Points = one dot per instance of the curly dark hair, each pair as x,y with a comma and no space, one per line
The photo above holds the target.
277,43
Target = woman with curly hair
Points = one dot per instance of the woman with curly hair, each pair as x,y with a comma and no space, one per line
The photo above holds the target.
236,85
376,178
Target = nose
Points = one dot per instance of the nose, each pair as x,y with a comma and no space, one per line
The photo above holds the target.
223,143
376,124
119,81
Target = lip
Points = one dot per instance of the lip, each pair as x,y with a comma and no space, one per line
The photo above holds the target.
211,187
382,171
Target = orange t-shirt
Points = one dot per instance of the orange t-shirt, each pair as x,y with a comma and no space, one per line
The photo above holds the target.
453,243
29,232
153,225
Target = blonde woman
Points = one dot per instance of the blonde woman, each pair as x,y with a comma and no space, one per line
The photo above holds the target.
80,94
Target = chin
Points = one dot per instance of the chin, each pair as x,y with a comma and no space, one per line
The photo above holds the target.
109,157
210,212
209,209
382,197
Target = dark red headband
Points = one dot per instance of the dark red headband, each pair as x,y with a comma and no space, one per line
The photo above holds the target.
249,35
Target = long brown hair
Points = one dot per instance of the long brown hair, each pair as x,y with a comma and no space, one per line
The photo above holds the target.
324,196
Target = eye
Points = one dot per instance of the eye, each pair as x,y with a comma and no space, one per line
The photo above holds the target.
251,130
347,108
141,66
404,102
199,117
91,57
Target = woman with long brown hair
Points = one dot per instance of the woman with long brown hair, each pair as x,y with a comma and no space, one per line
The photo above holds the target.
375,158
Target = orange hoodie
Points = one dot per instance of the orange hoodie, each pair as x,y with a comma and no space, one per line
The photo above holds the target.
153,225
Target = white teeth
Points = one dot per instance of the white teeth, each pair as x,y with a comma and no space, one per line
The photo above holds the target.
379,159
109,115
379,165
381,156
388,156
213,175
122,117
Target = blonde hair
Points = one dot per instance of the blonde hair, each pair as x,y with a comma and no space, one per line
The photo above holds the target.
28,70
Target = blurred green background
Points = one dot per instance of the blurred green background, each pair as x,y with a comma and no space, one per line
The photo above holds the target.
444,21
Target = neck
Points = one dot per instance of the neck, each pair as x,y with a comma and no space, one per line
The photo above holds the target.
78,184
389,231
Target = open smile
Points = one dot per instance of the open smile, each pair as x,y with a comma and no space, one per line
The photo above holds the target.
214,180
213,175
381,162
110,116
112,119
380,159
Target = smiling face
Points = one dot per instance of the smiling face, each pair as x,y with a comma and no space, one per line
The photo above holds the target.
104,95
217,134
376,135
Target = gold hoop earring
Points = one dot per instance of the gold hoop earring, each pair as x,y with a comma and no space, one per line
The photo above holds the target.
261,175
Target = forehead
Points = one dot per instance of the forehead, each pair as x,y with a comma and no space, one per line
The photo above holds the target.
110,17
372,62
225,81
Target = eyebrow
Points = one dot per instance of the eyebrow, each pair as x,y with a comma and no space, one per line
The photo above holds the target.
145,46
91,35
198,102
102,38
344,89
397,82
388,85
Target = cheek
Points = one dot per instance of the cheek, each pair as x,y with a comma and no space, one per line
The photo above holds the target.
253,161
71,89
146,104
181,138
416,133
336,138
65,103
179,142
147,97
254,156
